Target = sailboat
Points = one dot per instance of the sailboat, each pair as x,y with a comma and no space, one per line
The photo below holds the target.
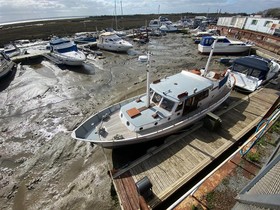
170,104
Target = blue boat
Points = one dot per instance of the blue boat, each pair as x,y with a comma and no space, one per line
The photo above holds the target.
66,51
85,37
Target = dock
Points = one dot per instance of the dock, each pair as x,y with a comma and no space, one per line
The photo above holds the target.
183,156
34,54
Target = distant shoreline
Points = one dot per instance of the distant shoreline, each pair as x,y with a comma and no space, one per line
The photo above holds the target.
42,19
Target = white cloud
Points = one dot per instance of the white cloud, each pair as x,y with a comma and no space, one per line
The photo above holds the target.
11,10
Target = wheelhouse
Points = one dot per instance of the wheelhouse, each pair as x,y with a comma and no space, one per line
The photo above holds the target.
209,40
170,98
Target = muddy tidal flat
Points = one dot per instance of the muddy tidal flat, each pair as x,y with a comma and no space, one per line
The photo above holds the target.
41,166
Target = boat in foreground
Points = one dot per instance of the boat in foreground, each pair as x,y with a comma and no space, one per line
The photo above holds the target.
110,41
223,45
6,65
253,71
66,51
169,105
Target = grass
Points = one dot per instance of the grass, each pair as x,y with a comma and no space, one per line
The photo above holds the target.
210,198
254,156
275,128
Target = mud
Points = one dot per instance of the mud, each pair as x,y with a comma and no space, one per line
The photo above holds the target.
41,166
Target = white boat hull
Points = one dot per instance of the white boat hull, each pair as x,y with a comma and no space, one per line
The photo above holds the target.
224,49
114,47
70,58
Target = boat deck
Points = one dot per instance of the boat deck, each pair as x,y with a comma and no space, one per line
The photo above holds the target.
183,156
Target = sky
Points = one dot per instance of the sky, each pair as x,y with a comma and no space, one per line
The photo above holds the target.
15,10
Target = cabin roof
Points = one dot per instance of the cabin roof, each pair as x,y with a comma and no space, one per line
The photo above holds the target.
180,83
59,41
108,34
254,62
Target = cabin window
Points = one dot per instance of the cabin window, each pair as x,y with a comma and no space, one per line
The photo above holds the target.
204,94
156,98
267,23
167,104
254,22
208,42
256,73
240,68
179,107
151,92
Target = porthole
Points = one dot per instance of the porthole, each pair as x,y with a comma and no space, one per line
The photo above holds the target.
178,113
127,123
121,115
140,129
156,123
168,118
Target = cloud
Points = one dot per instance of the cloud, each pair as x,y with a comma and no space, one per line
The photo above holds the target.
11,10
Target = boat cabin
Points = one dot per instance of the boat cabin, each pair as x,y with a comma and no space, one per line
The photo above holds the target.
170,98
209,40
62,45
109,37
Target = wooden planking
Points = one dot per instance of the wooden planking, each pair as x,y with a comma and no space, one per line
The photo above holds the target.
127,192
173,166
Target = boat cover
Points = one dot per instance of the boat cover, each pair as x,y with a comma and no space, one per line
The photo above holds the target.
254,62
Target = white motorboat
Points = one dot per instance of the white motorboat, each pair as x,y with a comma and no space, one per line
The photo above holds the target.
163,24
11,50
85,37
169,105
110,41
168,27
223,46
66,51
253,71
6,65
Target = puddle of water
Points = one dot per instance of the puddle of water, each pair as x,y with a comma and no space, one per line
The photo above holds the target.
19,199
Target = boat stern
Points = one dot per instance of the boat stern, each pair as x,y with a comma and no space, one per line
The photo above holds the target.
245,82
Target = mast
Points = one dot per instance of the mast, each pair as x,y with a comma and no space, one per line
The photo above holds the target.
148,81
116,15
121,9
210,56
147,59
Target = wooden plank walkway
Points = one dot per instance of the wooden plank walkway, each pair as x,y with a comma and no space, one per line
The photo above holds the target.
183,156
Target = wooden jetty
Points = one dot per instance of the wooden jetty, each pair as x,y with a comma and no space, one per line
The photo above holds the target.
183,156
